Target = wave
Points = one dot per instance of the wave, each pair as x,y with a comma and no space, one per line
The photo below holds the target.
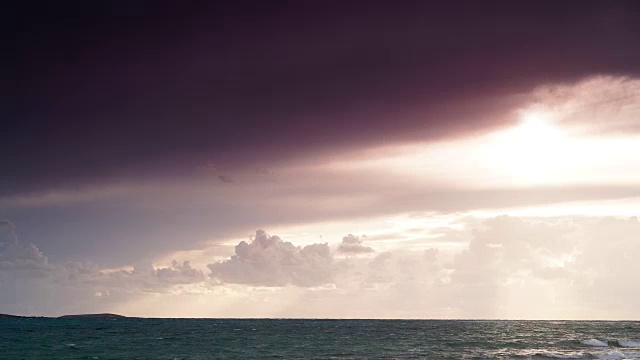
613,355
548,355
604,355
594,342
629,343
620,343
604,351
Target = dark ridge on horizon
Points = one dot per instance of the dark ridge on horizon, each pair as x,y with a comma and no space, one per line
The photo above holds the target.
93,316
9,316
117,316
74,316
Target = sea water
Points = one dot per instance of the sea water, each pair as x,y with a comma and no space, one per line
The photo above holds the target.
131,338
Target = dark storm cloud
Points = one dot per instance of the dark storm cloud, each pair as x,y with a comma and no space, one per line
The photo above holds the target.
108,91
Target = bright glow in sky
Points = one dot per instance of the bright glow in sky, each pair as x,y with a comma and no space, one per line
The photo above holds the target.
543,148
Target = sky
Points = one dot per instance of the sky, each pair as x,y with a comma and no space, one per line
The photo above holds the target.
322,159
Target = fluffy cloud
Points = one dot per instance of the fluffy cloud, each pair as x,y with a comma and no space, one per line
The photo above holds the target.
269,261
150,279
353,245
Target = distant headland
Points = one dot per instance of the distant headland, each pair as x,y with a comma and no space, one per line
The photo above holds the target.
77,316
6,316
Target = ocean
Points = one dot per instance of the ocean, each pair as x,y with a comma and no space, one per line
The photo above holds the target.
132,338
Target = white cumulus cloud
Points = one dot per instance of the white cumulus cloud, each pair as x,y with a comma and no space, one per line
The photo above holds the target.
270,261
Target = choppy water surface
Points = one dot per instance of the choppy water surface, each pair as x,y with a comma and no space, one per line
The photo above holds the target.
320,339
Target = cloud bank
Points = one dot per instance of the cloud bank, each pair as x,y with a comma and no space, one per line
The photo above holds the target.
562,267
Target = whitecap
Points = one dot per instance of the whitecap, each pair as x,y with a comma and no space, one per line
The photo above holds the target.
562,356
629,343
613,355
594,342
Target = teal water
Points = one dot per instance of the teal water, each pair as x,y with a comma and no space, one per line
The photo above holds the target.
39,338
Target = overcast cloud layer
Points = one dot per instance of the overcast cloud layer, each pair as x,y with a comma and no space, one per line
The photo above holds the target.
107,92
